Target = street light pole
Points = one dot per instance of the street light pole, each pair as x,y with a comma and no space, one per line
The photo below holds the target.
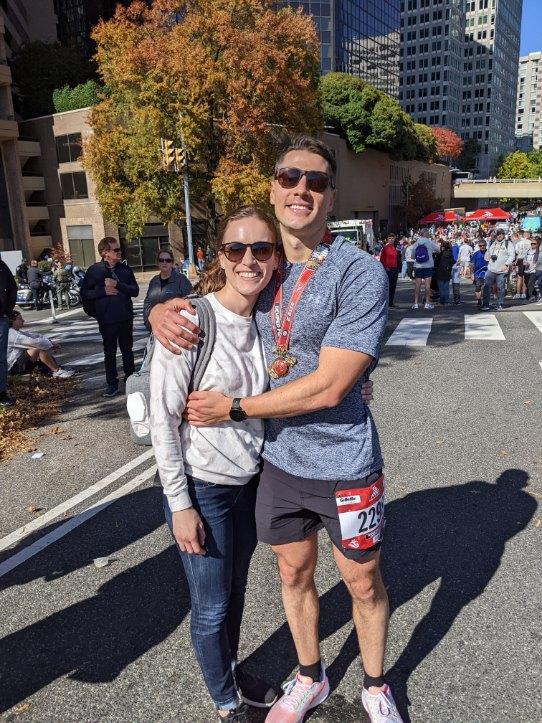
188,216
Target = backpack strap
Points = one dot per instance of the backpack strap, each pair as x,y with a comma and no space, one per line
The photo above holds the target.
207,323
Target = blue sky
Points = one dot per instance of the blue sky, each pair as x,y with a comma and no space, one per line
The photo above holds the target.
531,27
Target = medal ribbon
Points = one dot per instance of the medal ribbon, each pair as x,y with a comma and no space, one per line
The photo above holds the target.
282,325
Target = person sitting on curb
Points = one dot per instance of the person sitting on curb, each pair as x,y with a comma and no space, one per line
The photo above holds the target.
26,351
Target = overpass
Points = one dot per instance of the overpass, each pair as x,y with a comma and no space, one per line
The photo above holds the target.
498,188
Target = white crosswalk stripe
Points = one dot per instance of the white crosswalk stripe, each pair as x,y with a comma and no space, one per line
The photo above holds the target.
484,327
411,332
535,317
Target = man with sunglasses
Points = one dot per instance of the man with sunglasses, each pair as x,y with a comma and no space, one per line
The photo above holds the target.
322,460
111,285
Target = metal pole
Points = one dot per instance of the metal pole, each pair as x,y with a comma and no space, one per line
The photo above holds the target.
53,312
188,216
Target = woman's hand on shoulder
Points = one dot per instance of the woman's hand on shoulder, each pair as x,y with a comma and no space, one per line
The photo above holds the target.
188,531
173,331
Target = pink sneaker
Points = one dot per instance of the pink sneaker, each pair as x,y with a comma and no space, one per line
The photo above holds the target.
298,698
381,707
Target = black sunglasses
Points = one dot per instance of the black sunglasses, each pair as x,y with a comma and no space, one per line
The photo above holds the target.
235,251
316,180
117,250
165,261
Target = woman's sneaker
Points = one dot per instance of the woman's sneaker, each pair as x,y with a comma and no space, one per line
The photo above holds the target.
381,707
253,690
298,698
236,715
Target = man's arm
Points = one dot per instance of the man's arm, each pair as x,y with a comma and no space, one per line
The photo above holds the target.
130,288
337,372
90,289
173,331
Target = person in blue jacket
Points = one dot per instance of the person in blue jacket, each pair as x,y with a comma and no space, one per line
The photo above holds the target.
111,285
478,266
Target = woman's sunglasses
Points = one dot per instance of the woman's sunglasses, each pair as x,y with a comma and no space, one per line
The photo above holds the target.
235,251
167,260
317,181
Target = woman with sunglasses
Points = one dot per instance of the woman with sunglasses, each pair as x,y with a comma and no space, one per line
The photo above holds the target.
210,476
170,283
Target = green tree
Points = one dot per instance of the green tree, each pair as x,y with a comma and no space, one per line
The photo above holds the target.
418,200
426,143
516,165
230,76
82,96
535,159
467,159
367,118
38,68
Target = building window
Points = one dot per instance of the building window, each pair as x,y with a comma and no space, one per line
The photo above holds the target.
68,147
81,241
74,185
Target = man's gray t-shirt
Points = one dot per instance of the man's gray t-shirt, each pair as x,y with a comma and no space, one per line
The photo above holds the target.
345,306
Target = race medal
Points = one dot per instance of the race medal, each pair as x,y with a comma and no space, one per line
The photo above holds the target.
282,325
281,365
361,515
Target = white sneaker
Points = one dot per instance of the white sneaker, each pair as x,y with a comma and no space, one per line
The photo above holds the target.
516,296
539,303
522,296
415,306
429,306
381,708
63,373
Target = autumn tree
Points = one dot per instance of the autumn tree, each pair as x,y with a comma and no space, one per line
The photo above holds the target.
449,144
230,76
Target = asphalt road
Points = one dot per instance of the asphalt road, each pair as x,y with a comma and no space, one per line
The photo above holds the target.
460,424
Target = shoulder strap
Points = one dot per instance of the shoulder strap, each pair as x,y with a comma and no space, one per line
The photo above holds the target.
207,323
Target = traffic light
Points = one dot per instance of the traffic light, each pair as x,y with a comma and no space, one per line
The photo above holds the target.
180,158
168,153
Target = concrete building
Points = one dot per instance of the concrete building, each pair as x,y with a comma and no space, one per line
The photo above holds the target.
74,219
459,69
21,211
360,37
529,102
76,18
370,184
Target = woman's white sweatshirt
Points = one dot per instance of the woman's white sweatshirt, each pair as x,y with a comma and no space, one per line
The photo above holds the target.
227,453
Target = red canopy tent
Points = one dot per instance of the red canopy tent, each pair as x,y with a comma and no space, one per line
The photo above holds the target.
440,217
488,214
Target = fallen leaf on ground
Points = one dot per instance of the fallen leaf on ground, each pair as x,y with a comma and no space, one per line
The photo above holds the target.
33,509
22,708
528,401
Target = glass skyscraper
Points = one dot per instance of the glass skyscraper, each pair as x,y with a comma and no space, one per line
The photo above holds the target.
360,37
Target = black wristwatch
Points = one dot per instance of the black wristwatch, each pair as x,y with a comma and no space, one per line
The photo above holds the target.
236,413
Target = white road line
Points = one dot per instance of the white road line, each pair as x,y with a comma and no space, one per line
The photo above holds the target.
484,327
411,332
98,358
39,522
61,531
535,317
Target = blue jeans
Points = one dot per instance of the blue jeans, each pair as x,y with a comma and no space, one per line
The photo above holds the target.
4,330
490,279
403,269
444,290
217,580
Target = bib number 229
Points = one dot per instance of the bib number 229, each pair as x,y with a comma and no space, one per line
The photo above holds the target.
361,515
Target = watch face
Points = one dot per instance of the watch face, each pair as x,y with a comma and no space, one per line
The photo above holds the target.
237,415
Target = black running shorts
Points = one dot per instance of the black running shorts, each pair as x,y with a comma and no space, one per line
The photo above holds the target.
290,509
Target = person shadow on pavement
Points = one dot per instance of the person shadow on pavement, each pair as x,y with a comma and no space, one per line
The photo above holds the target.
454,534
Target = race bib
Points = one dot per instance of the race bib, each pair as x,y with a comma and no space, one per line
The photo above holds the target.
361,515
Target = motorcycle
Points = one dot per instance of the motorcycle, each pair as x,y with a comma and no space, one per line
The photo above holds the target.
25,295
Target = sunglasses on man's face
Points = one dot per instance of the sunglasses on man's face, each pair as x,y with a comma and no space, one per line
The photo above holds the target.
117,250
317,181
235,250
166,261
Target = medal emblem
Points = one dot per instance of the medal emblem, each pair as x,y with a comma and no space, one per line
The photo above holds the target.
280,367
